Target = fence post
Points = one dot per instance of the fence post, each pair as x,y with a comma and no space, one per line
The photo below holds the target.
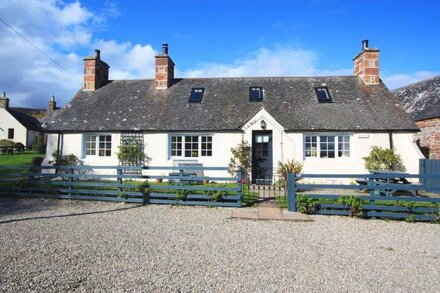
119,180
291,192
239,184
70,182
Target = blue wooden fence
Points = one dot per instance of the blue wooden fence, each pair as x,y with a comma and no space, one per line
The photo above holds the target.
429,167
374,203
123,183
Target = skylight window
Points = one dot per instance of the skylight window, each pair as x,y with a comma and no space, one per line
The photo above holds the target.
196,95
255,94
323,95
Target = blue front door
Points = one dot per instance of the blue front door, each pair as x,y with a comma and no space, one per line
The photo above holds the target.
262,171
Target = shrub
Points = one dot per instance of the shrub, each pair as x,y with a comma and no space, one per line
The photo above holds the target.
65,160
383,160
132,153
354,203
6,143
289,167
19,147
307,204
241,157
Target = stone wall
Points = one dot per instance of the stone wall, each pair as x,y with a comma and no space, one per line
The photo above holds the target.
429,137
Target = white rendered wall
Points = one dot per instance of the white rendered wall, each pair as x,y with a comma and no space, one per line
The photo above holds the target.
8,121
286,146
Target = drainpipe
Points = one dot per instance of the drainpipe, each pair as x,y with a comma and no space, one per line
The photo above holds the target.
391,140
58,149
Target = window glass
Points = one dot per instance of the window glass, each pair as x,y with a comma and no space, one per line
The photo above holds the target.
343,146
323,95
176,146
196,95
105,145
327,146
206,149
90,145
311,146
10,133
191,146
255,94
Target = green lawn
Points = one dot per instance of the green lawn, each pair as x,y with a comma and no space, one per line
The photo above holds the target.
19,159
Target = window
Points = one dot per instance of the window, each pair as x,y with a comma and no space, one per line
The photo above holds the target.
196,95
327,146
176,146
311,146
10,133
255,94
343,146
90,145
323,95
100,145
105,145
206,146
190,146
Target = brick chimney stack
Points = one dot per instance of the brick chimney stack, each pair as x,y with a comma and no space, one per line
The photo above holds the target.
164,69
366,64
95,72
52,103
4,102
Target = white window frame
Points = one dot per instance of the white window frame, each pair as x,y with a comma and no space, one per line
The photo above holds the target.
199,149
97,136
336,149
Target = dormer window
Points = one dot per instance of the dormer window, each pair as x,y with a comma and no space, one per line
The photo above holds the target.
196,95
255,94
323,95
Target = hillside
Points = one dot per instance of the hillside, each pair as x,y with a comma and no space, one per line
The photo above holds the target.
422,99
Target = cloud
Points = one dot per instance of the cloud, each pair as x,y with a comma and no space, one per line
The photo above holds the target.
127,61
60,30
395,81
279,61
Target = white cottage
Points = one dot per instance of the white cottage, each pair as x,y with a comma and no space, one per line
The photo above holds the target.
329,123
16,125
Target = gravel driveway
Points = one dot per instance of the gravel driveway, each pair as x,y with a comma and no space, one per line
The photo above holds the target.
60,245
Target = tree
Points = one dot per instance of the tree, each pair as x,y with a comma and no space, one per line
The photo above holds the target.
381,159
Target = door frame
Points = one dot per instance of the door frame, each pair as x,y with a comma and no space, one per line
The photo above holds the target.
269,177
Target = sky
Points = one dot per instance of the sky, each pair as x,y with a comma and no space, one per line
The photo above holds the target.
209,39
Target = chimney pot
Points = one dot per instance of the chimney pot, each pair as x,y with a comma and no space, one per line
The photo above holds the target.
364,45
97,53
4,94
165,49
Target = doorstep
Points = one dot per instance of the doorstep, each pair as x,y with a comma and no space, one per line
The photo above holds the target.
269,213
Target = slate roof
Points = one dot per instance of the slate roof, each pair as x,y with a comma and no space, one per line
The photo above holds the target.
422,99
24,119
124,105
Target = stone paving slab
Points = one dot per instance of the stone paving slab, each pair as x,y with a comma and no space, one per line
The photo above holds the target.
269,213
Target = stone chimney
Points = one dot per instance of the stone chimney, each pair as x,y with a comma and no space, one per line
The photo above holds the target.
164,69
4,102
95,72
52,103
366,64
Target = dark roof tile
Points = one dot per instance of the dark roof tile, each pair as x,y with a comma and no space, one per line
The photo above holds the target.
124,105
